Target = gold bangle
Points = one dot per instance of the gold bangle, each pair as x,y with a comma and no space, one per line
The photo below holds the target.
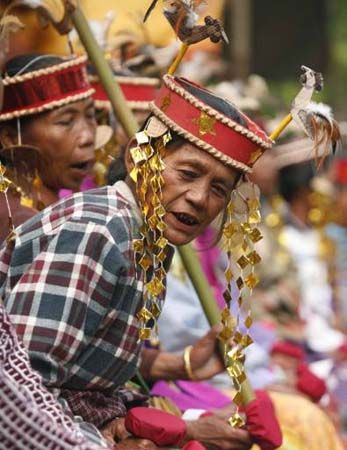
187,363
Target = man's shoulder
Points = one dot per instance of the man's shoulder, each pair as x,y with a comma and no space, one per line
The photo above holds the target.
81,212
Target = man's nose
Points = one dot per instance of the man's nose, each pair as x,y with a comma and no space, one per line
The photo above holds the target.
87,134
198,195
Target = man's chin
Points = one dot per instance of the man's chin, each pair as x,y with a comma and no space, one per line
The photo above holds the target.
178,239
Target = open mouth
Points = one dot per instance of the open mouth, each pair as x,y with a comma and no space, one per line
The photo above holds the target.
85,166
186,219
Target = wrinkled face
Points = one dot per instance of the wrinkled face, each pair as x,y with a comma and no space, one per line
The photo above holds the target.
65,137
196,189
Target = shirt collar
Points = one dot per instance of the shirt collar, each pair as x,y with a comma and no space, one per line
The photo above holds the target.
127,193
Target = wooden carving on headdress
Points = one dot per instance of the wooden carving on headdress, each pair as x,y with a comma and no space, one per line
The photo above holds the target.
183,16
314,119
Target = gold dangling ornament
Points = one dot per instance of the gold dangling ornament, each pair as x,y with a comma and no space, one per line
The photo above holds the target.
151,248
37,186
240,233
5,183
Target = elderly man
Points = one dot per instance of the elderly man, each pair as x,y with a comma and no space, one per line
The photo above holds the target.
85,279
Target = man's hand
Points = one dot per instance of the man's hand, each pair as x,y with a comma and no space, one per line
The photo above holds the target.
115,431
217,434
204,358
136,444
116,434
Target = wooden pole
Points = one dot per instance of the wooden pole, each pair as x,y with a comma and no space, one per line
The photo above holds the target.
107,79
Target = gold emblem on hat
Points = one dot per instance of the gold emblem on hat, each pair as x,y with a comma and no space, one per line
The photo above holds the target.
205,123
166,102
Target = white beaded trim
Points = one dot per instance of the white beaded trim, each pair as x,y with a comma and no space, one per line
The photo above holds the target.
198,142
47,106
106,104
46,71
168,80
138,81
135,81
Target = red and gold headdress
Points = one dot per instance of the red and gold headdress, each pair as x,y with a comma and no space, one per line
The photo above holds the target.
204,126
138,91
45,89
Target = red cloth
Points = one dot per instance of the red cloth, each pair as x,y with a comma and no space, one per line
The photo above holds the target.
158,426
341,171
343,348
262,422
310,384
193,445
289,349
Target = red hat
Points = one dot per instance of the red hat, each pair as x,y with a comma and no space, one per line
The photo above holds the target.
45,89
340,172
289,349
202,118
138,91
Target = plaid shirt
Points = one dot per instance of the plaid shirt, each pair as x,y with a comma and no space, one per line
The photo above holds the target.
72,291
30,417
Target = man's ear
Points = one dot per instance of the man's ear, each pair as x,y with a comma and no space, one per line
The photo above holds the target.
8,136
128,160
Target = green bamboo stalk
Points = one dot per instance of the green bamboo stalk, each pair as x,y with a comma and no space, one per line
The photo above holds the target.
193,267
107,79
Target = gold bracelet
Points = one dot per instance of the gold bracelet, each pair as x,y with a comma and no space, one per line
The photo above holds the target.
187,363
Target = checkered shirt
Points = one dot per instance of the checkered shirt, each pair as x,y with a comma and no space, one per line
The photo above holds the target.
30,417
72,290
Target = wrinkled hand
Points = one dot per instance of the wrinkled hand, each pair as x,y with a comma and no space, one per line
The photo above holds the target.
136,444
217,434
115,431
204,357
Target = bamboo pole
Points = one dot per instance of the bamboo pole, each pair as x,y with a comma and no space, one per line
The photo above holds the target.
107,79
183,50
283,124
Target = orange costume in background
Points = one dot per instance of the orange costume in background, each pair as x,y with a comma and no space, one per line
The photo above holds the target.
128,17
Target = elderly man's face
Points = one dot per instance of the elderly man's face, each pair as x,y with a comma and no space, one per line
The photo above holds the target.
196,189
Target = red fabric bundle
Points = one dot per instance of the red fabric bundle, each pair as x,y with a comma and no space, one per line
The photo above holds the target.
262,423
194,445
160,427
289,349
341,171
309,384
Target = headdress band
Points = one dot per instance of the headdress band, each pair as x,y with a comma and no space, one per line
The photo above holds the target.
207,128
45,89
138,91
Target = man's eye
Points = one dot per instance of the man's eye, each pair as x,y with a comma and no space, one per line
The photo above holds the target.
220,191
188,174
90,114
66,122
